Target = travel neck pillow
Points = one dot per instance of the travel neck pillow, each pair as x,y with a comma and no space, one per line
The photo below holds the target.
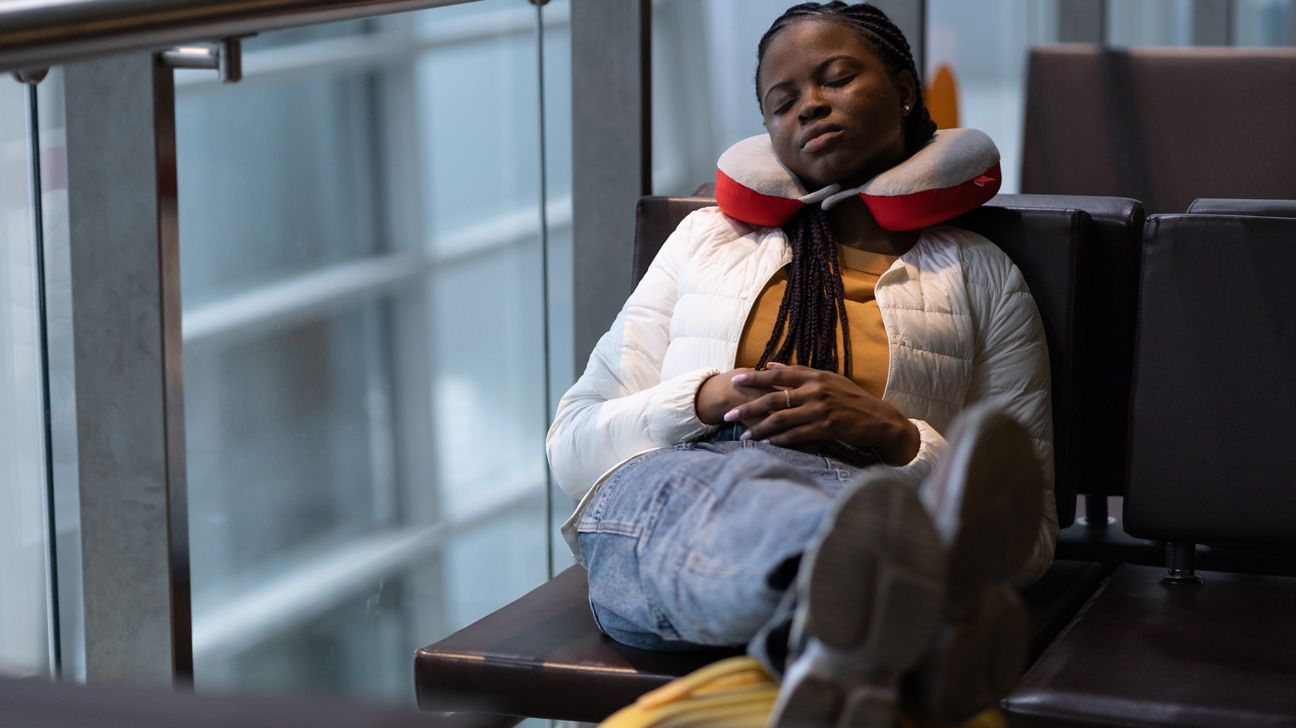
956,172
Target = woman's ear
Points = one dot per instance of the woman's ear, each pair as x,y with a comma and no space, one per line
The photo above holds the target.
907,85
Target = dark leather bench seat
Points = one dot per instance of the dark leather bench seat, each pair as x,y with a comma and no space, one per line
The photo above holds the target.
542,656
1141,653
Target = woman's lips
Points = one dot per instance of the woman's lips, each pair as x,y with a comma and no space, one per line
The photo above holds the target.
821,140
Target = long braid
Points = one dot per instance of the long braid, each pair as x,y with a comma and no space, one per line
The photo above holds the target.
814,301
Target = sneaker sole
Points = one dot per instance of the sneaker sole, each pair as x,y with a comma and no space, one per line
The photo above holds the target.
872,589
1000,510
981,649
976,662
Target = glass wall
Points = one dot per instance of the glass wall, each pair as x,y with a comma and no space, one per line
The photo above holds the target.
703,85
985,44
1264,22
364,342
1150,22
1190,22
24,624
556,114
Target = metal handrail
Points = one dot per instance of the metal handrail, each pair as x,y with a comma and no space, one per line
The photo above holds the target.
43,33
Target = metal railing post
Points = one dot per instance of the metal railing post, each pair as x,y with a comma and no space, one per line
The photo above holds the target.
124,399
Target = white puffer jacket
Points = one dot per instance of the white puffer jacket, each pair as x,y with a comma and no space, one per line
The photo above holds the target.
961,322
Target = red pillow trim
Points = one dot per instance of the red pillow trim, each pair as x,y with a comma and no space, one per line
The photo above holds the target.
742,202
931,207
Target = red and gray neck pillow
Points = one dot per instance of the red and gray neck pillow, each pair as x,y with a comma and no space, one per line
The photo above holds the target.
957,171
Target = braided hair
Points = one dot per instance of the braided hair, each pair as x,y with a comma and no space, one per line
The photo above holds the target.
814,300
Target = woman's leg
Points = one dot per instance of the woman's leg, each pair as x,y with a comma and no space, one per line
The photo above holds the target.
691,545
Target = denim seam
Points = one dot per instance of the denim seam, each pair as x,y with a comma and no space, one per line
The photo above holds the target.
649,520
706,500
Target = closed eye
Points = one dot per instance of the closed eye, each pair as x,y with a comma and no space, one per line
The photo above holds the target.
839,82
785,105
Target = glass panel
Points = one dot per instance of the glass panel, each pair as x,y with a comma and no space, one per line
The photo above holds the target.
273,180
1264,22
477,103
556,42
24,617
358,646
985,45
280,451
363,346
67,516
704,97
488,419
1150,22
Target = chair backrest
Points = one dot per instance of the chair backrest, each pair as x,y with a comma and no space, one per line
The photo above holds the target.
1047,245
1213,437
1160,125
1230,206
655,219
1050,240
1107,296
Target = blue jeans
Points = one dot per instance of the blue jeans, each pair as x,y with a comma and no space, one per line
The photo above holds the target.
691,545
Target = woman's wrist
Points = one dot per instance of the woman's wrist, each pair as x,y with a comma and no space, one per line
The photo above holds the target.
905,441
708,401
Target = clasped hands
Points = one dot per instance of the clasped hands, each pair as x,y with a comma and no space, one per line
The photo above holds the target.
809,409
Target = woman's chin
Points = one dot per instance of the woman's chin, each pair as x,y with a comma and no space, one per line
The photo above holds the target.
848,179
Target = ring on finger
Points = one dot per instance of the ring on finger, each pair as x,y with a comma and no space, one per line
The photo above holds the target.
787,395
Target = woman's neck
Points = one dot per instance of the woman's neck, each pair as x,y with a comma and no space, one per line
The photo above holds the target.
853,225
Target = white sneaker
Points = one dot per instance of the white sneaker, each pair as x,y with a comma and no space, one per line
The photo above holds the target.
985,499
870,601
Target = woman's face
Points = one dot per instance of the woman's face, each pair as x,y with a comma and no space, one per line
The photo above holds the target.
834,112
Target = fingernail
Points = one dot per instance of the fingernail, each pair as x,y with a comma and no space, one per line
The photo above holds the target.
739,378
745,436
731,415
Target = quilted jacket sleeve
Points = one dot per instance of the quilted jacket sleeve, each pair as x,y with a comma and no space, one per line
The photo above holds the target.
1011,367
931,448
621,406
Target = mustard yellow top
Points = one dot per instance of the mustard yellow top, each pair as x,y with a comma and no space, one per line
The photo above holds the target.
860,272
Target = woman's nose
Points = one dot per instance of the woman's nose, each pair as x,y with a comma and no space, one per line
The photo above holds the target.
813,106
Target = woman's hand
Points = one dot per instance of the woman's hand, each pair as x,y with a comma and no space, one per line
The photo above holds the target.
812,408
718,395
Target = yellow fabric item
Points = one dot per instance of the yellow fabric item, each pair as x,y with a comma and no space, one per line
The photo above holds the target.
732,693
871,357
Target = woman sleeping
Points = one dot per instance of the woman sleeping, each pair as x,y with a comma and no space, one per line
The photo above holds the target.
759,441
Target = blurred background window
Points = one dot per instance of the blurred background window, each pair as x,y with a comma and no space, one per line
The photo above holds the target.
365,401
